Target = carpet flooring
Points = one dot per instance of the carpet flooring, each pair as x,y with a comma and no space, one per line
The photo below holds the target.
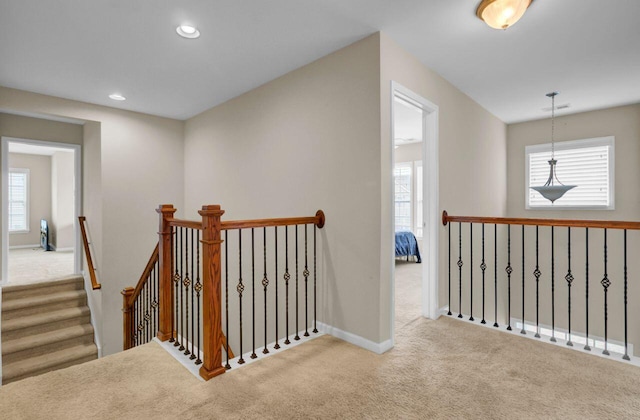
408,296
438,369
32,265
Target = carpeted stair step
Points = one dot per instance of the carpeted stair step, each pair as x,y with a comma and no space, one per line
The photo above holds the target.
40,344
52,361
44,288
31,305
44,322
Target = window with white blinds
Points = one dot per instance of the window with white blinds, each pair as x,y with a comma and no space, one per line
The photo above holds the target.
588,164
18,200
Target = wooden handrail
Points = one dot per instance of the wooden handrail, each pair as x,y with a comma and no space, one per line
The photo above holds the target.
87,252
317,220
191,224
603,224
145,275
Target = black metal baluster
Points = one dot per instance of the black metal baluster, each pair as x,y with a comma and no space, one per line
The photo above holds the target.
553,287
287,276
297,337
240,289
275,231
509,270
569,279
471,272
265,283
198,287
586,283
253,296
187,282
449,243
605,282
315,319
154,297
523,331
626,342
305,273
460,264
193,317
483,267
174,290
226,296
495,276
147,317
181,316
537,275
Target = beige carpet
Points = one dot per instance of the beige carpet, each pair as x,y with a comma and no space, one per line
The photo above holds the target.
31,265
439,369
408,296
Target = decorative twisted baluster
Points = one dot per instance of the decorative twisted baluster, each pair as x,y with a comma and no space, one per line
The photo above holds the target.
180,315
198,289
483,267
193,318
495,276
605,282
569,280
305,273
240,289
187,282
509,270
265,283
537,275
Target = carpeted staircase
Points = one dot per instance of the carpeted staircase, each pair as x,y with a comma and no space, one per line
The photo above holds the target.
45,326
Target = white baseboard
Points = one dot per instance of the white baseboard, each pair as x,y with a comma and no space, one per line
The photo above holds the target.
366,344
24,246
61,249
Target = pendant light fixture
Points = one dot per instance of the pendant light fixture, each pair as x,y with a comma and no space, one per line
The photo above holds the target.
500,14
553,189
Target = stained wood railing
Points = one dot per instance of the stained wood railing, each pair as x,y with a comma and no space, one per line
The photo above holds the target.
87,252
586,267
187,268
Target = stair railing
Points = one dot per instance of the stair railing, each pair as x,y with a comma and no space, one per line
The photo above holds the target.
87,252
545,277
189,289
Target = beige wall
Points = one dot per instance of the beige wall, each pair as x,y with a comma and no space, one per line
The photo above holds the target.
62,200
305,141
39,195
132,162
39,129
624,124
472,156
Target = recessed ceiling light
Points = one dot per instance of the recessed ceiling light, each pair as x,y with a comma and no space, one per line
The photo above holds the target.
187,31
117,97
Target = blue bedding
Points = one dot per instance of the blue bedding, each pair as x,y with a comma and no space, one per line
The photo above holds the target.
406,245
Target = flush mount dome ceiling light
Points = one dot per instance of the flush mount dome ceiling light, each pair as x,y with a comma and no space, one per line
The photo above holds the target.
188,31
500,14
117,97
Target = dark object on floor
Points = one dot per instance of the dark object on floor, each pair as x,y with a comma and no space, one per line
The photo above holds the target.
44,235
407,245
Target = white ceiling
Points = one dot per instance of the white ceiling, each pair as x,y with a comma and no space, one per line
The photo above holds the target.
85,50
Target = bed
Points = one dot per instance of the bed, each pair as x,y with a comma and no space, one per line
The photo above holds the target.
407,246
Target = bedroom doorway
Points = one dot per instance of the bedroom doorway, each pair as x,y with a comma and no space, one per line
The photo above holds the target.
414,195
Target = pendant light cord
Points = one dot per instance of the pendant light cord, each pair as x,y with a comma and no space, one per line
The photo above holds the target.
553,109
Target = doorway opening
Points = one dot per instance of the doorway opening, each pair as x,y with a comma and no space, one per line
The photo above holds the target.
415,208
41,203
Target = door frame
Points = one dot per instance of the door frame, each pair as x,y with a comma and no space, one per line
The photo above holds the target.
4,164
430,194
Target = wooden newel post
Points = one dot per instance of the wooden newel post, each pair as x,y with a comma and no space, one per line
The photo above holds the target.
211,293
165,241
127,319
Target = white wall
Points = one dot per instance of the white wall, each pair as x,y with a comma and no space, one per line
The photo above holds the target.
62,200
132,162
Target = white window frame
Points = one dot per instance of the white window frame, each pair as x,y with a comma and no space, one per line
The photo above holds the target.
566,145
26,205
414,195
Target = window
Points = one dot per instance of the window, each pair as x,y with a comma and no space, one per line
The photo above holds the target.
402,196
588,164
18,200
